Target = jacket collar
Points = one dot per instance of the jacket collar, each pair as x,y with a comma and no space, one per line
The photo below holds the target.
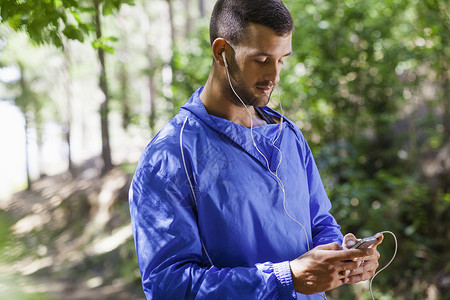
264,136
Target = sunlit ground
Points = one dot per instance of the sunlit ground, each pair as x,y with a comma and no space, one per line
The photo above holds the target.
68,240
16,287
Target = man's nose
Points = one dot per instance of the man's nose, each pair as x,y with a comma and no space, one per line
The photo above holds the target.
272,72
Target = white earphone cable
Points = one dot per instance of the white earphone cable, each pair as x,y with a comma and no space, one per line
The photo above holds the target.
191,185
275,174
382,269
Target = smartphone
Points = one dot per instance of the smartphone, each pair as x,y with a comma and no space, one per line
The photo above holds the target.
366,242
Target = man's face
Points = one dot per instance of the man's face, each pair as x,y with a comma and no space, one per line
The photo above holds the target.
256,64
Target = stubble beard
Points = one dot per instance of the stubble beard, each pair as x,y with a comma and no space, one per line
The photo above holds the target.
243,92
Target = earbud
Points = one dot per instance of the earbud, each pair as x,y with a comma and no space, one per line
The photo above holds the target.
224,59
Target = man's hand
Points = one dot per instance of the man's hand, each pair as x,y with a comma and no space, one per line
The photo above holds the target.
369,263
329,266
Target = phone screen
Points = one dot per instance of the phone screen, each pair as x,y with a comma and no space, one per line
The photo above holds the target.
366,242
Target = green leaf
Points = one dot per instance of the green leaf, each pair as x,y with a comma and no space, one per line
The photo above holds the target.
111,6
56,40
99,44
76,15
109,38
59,3
96,45
103,43
108,7
86,28
69,3
73,33
14,22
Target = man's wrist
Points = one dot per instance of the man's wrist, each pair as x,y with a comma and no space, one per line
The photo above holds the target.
298,279
293,275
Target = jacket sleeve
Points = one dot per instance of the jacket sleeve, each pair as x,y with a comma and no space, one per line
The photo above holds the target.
169,248
324,227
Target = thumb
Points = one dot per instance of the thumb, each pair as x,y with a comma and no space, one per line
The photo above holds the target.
349,241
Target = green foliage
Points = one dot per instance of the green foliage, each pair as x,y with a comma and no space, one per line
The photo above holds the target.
73,33
112,6
47,21
344,67
41,20
192,61
104,43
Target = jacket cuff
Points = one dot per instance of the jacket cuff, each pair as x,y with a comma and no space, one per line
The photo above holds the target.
285,284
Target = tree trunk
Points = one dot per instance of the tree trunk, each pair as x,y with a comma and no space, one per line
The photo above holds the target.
171,22
202,8
445,83
40,145
23,107
124,98
152,87
67,122
151,77
104,108
188,26
27,155
173,39
124,76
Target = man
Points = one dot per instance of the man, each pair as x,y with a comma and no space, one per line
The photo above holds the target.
227,202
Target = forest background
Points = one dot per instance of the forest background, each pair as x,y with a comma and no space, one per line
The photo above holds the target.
85,84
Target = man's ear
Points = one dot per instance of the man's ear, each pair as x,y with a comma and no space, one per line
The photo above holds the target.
218,47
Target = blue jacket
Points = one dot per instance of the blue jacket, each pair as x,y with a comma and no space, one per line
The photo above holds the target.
238,218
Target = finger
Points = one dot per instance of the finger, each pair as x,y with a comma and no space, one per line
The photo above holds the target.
334,285
341,282
354,279
370,266
330,246
344,274
348,265
371,255
349,241
361,277
352,254
379,241
367,269
368,252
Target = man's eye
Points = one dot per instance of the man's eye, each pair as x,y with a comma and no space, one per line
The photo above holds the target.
261,61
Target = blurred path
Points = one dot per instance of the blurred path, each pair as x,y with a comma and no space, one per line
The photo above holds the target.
65,290
71,239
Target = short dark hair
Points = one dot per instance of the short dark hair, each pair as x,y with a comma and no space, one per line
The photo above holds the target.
230,18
